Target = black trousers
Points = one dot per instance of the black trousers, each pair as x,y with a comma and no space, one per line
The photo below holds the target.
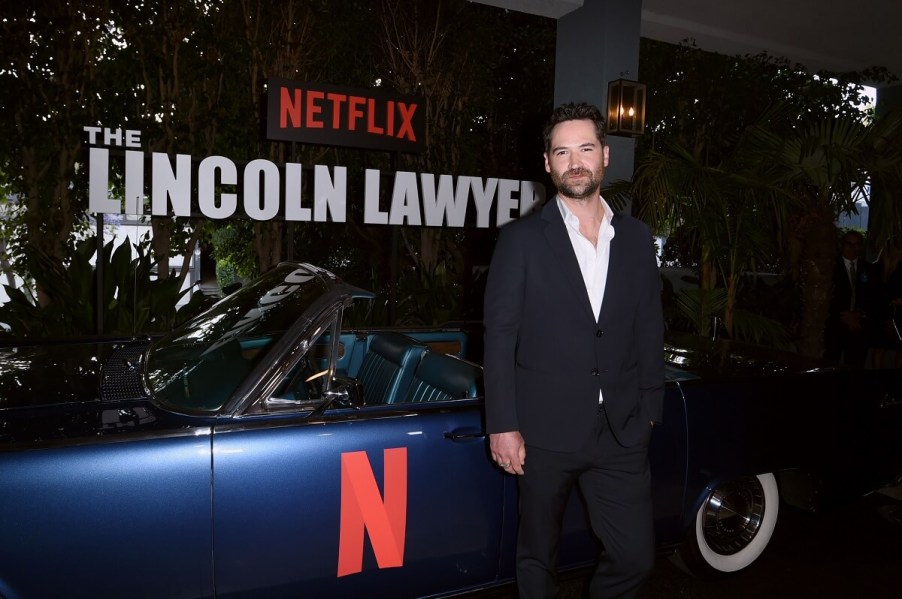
616,484
841,344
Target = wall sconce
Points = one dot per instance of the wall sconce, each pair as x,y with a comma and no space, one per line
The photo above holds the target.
626,107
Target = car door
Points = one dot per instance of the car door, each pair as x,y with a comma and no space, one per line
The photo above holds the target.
121,515
378,501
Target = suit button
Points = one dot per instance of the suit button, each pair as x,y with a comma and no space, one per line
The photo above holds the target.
594,372
599,333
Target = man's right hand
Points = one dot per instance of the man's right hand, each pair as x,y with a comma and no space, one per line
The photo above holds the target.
508,451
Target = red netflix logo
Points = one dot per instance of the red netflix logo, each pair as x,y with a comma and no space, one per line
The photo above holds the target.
338,116
364,509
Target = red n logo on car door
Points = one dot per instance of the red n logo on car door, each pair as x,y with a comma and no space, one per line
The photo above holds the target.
362,507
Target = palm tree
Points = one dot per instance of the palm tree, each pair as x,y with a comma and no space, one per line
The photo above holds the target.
820,169
783,184
728,212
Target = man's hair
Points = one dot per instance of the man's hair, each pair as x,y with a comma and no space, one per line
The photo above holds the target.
852,233
574,112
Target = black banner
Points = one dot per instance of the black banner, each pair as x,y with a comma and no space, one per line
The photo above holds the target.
321,114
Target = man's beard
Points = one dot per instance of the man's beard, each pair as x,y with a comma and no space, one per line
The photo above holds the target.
577,191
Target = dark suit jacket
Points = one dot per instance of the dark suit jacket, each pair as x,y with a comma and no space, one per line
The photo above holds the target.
547,355
839,341
841,298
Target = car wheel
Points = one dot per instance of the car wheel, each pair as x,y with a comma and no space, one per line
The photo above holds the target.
732,527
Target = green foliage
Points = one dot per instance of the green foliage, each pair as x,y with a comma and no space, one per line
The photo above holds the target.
430,299
133,301
700,311
703,101
756,328
233,251
701,307
748,162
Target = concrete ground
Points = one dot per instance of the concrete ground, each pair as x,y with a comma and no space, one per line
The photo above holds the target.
850,552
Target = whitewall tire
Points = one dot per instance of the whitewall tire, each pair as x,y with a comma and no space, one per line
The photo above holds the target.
732,526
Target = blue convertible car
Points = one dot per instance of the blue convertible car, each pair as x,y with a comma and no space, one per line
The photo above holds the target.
263,450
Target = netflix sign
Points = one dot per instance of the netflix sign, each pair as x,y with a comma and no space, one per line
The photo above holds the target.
321,114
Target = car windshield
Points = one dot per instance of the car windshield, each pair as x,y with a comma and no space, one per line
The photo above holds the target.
197,367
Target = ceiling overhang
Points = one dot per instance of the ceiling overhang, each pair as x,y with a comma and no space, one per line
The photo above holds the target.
830,35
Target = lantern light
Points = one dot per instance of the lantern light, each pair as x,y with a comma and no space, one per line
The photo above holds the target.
626,107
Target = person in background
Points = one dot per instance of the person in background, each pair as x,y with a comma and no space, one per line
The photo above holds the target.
885,315
574,365
846,339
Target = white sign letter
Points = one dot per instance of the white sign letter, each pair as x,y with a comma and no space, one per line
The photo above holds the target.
371,213
253,173
506,201
330,196
446,201
134,182
169,185
99,183
405,200
206,187
293,199
483,197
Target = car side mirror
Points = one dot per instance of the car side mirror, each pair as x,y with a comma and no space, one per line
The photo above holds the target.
344,392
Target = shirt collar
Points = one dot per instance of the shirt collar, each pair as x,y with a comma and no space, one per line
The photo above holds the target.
572,220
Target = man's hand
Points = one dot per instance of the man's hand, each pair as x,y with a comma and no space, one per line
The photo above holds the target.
508,451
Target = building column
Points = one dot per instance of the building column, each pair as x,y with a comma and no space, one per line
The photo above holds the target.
598,43
888,98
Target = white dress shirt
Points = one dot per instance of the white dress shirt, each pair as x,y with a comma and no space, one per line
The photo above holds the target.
852,274
593,259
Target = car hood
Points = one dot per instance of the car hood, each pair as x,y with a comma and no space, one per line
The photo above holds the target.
691,357
45,375
63,391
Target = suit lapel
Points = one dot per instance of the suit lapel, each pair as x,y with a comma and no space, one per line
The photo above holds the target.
618,270
559,240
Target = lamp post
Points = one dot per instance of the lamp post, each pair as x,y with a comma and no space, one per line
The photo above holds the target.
626,107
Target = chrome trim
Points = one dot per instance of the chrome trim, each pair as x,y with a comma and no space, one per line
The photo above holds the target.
732,515
108,439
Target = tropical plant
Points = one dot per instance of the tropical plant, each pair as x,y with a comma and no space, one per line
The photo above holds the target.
781,187
131,299
820,169
728,214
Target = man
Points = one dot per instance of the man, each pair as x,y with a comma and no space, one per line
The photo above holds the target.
845,336
574,364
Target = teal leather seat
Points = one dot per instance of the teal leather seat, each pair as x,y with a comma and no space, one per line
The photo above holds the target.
442,377
388,366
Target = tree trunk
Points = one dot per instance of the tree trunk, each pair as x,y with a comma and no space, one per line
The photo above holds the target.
819,251
730,307
268,243
707,268
162,232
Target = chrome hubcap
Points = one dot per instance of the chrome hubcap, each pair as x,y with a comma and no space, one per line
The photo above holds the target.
732,515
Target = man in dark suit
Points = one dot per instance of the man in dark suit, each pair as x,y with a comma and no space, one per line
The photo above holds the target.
846,339
574,364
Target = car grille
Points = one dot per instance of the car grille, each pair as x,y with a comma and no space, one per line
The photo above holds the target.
121,375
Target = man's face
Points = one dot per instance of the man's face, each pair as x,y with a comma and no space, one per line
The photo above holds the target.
576,159
851,247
